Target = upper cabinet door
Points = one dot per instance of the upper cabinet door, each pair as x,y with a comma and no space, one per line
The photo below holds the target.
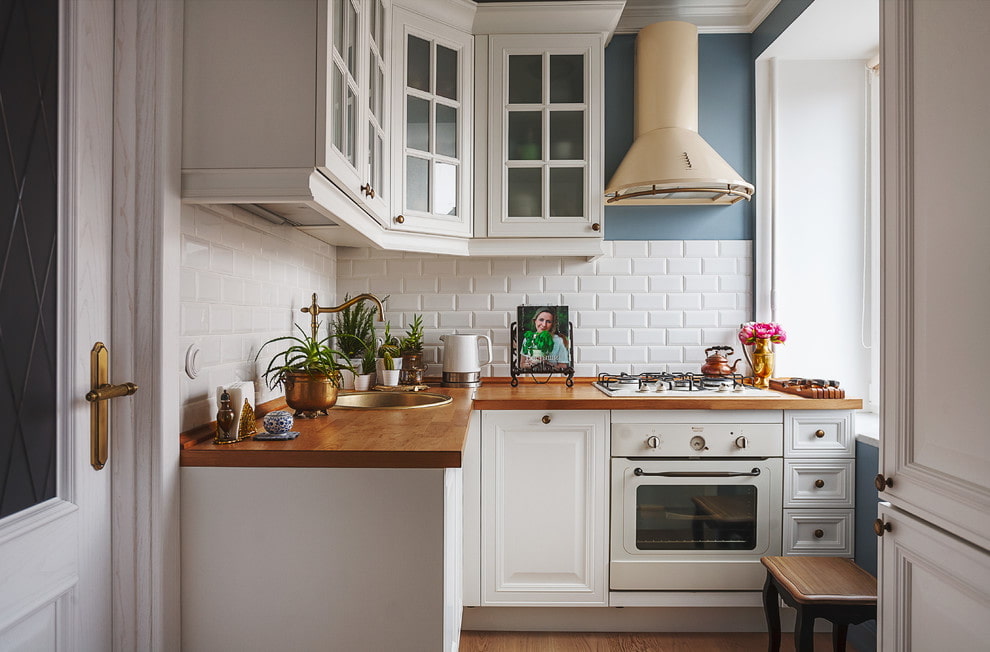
935,449
354,148
432,91
545,136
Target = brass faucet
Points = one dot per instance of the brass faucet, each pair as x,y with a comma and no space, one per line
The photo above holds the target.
315,309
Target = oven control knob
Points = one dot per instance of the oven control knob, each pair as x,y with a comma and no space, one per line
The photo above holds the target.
698,443
741,442
653,442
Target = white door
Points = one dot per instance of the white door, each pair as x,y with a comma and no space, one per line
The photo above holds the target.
935,450
55,530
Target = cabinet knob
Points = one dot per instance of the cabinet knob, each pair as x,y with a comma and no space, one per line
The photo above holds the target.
546,418
881,483
399,219
819,534
596,227
819,483
819,433
879,527
368,190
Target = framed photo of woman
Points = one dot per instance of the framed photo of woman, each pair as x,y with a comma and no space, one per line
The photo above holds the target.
543,338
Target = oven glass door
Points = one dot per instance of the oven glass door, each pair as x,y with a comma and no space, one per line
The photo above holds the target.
698,507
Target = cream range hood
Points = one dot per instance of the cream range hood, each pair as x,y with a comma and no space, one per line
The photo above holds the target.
669,162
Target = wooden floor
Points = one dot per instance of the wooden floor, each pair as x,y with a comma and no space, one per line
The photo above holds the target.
623,642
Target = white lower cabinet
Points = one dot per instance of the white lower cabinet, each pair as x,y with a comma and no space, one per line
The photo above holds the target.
934,588
544,508
819,483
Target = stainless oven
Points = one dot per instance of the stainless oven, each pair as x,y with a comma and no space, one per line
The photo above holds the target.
696,499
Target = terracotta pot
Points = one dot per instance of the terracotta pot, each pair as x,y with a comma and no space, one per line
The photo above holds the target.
310,395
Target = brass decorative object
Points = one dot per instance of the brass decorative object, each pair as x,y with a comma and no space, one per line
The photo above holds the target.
248,426
310,395
225,422
762,362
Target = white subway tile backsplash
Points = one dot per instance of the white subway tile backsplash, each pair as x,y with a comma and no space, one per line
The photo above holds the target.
666,249
685,301
486,319
560,284
718,300
684,336
455,320
587,301
666,354
593,319
594,354
507,301
613,266
594,284
222,259
631,319
542,299
718,265
526,284
618,337
649,336
630,354
700,283
611,302
549,266
474,302
195,253
631,248
700,318
629,284
666,319
738,248
666,283
701,248
684,266
649,301
734,283
649,266
492,284
436,302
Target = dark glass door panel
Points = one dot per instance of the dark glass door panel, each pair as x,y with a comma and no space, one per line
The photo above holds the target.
28,252
696,517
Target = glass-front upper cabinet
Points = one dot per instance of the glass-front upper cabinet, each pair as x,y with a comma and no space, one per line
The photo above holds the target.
545,136
356,151
431,157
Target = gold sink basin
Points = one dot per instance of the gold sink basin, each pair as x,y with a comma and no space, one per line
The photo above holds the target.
389,400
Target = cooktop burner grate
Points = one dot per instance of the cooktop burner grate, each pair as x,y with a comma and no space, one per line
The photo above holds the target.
674,381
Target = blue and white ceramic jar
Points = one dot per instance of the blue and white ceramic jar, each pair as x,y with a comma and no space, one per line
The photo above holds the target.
278,422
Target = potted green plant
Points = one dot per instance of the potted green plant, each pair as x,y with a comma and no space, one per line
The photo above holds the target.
389,362
353,331
412,349
309,369
365,379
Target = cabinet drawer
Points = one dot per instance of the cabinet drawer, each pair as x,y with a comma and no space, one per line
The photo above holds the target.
819,532
819,484
818,433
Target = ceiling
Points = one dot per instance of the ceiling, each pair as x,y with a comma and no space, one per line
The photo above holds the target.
711,16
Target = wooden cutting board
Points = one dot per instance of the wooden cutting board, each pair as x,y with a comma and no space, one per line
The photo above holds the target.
805,388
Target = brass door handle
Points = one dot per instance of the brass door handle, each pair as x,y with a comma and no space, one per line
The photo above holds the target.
881,482
101,392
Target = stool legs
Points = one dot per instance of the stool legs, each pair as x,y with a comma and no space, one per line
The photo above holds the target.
839,637
772,610
804,631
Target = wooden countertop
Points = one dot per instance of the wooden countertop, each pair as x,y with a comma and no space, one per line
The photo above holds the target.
435,437
530,396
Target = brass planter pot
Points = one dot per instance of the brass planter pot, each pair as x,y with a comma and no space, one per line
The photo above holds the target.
310,395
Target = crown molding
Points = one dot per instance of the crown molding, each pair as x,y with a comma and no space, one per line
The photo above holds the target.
711,16
571,17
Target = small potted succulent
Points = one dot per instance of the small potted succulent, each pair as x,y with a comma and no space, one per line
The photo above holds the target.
389,361
309,369
366,379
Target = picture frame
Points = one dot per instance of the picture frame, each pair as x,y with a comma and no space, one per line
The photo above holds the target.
542,342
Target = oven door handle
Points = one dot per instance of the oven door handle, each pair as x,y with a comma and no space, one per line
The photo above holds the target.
699,474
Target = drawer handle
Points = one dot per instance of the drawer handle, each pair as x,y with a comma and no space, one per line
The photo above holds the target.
879,527
819,433
819,483
819,534
881,482
596,227
399,219
546,418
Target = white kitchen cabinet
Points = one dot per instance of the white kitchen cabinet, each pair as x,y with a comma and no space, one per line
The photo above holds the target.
432,148
934,588
544,507
545,135
819,483
275,91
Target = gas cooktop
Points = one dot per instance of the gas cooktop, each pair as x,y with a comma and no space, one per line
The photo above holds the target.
679,385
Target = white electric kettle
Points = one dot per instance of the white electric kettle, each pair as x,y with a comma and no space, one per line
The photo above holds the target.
462,361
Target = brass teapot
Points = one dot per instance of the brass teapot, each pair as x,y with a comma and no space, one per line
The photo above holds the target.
717,364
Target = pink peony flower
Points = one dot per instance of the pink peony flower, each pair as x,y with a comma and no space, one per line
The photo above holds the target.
752,331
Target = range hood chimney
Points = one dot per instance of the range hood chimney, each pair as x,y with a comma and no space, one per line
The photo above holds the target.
669,162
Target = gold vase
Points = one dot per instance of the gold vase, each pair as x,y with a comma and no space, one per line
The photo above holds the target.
762,363
310,395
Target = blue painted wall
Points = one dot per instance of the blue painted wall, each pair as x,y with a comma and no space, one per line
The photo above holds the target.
726,105
864,636
773,25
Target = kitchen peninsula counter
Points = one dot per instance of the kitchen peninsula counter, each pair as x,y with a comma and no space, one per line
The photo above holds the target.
434,437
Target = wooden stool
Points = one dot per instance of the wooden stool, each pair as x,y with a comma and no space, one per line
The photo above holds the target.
832,588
